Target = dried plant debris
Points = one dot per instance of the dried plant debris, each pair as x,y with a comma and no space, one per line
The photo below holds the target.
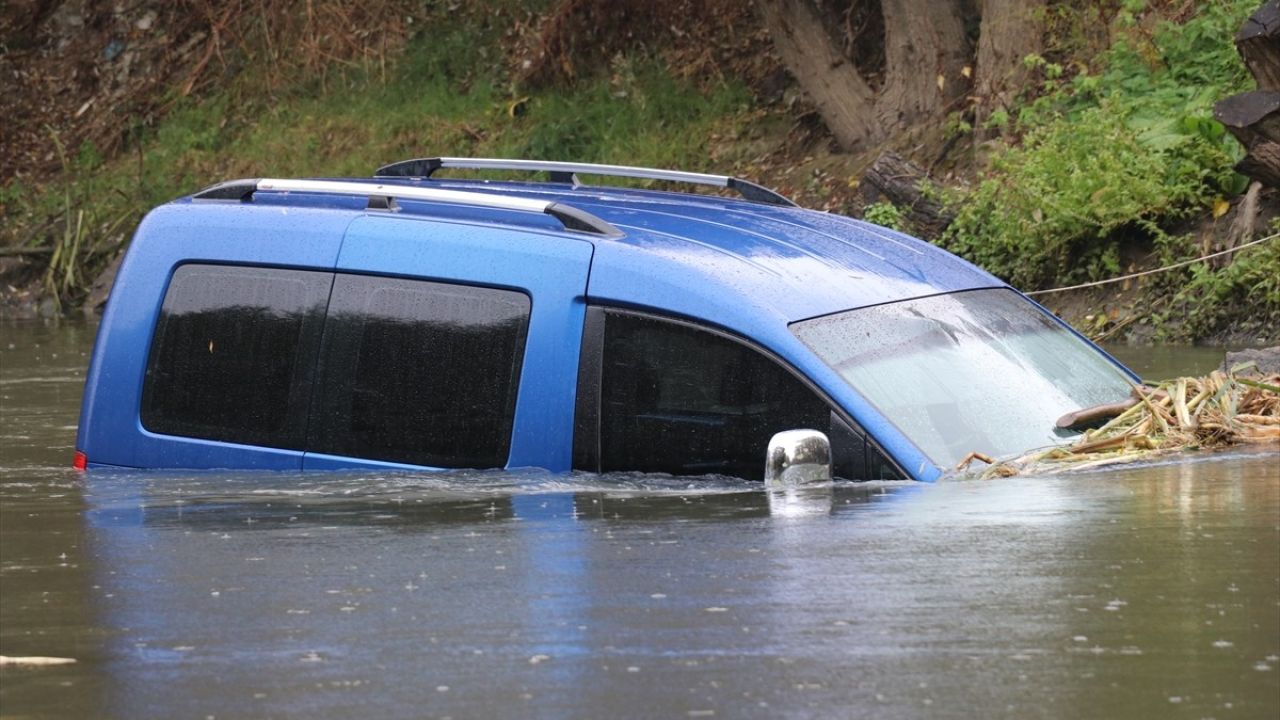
1219,410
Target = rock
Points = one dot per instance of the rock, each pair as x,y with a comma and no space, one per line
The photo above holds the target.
101,287
1266,360
112,50
19,289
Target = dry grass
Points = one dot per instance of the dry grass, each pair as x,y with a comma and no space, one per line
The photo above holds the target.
57,78
1215,411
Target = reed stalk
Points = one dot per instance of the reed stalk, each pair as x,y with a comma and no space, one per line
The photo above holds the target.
1224,411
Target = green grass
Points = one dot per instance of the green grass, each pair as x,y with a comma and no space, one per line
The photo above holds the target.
444,96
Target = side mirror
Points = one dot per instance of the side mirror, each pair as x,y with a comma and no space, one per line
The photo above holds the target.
798,457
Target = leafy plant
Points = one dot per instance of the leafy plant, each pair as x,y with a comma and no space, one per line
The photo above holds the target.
885,214
1111,154
1054,209
1210,298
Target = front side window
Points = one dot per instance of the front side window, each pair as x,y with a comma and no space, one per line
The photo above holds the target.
420,372
983,371
678,399
233,354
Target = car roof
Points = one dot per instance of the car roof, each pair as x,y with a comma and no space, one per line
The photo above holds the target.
794,262
689,253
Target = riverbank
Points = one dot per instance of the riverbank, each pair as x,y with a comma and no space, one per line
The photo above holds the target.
1108,163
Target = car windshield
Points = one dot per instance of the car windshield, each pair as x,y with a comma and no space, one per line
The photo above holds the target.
979,371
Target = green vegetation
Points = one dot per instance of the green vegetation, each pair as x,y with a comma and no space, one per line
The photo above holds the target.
1111,157
1202,299
636,113
885,214
1053,209
1114,153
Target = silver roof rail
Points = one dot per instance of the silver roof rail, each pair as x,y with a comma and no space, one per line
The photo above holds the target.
383,197
567,172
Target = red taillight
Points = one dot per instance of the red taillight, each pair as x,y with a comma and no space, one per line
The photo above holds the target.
81,461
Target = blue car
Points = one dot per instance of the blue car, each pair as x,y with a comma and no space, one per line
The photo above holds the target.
414,321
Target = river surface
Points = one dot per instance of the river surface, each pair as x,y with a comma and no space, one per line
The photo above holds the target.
1145,592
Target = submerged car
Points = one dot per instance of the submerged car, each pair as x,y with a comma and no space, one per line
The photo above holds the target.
413,321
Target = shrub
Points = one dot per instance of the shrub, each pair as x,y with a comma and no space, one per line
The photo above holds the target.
885,214
1054,209
1105,157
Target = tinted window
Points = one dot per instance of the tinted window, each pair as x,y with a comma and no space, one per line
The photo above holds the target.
233,354
856,457
680,400
418,372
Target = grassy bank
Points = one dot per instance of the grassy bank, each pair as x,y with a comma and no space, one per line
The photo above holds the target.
447,93
1110,161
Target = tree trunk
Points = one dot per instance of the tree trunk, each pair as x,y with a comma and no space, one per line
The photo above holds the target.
1254,117
1244,226
1011,30
1259,44
925,53
842,97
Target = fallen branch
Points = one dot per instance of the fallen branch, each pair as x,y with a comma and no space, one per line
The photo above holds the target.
35,660
1223,410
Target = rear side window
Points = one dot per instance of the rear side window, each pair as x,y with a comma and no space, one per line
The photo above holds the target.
233,354
420,372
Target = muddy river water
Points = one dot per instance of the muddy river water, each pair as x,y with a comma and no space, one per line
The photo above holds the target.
1145,592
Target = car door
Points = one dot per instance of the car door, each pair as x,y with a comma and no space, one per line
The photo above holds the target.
449,344
666,395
